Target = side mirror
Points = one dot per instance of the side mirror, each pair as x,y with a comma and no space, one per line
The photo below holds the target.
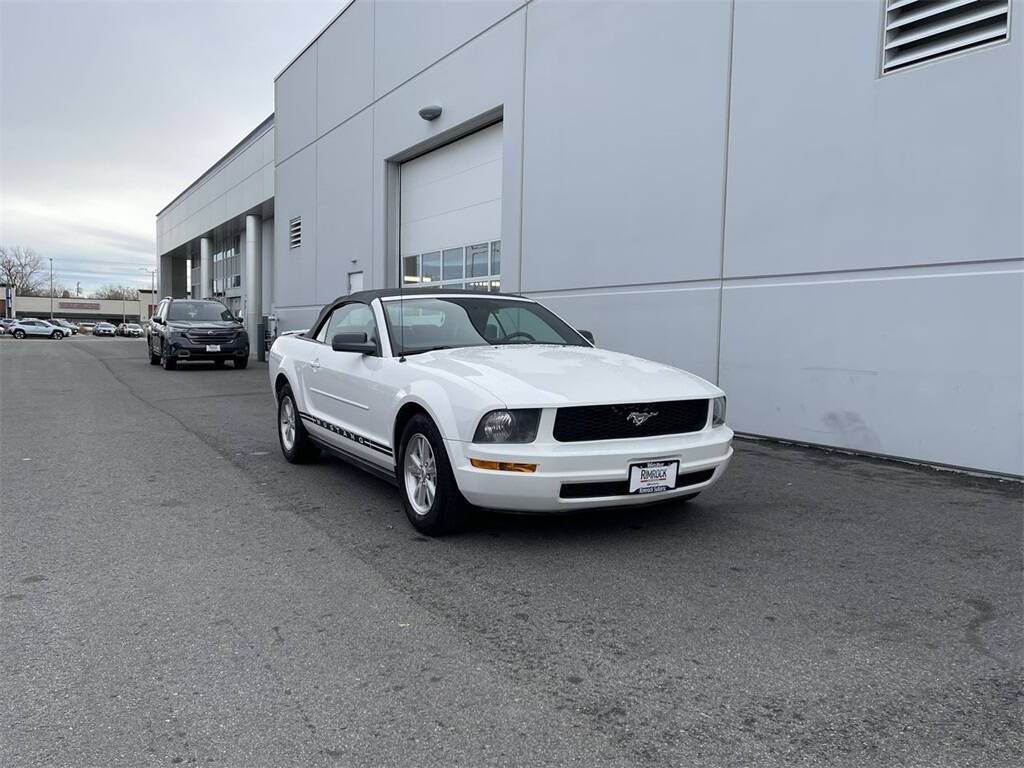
239,319
156,320
353,342
588,335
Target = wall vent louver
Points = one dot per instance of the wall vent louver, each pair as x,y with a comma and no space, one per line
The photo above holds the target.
917,31
295,232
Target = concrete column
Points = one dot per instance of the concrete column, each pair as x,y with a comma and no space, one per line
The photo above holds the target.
205,268
173,277
252,296
165,276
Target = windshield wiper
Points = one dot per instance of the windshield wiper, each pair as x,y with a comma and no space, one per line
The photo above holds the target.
408,352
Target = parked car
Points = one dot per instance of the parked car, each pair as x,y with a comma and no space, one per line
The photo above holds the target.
32,327
492,400
69,328
6,322
86,327
104,329
133,330
196,329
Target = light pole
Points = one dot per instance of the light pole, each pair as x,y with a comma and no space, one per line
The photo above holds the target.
51,287
152,290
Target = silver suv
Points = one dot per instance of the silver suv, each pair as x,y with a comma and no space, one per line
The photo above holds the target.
22,328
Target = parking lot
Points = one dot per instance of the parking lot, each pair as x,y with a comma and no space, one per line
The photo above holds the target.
174,592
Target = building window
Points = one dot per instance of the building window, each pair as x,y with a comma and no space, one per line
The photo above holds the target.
476,266
295,232
917,31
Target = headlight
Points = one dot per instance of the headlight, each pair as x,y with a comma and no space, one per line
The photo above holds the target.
718,412
516,426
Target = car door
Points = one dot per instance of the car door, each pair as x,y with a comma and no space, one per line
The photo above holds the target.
342,390
38,328
155,328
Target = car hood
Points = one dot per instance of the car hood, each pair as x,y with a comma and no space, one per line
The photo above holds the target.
189,325
541,375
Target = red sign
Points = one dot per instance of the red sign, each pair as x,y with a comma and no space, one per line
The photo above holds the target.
78,304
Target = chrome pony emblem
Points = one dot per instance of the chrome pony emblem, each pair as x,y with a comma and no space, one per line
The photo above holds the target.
636,418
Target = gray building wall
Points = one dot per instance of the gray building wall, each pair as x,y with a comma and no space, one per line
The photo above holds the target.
728,187
215,206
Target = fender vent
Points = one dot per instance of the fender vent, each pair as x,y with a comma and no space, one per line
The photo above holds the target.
917,31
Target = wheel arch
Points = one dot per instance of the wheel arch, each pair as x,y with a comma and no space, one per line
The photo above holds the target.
405,414
280,383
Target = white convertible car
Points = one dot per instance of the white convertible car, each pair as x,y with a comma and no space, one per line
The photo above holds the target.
490,399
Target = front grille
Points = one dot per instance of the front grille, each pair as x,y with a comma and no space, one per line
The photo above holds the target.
615,422
211,337
621,487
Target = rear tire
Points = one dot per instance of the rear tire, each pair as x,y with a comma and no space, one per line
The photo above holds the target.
241,362
296,444
444,509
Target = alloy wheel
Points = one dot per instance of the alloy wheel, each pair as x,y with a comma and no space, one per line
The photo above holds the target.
420,469
287,423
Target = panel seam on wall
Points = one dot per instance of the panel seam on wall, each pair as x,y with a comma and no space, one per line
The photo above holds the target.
725,192
522,147
373,144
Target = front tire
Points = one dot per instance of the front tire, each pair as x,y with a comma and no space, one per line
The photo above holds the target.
19,334
430,496
296,444
57,335
241,362
167,362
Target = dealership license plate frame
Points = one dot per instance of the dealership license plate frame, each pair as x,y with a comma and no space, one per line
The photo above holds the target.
213,347
639,486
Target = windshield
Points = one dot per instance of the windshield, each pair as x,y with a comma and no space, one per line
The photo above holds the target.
443,323
198,310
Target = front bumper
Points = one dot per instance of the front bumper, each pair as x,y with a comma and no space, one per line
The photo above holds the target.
605,461
184,349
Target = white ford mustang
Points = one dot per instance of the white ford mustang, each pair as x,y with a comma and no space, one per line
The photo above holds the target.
490,399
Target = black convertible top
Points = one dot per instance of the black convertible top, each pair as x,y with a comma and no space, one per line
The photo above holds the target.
413,293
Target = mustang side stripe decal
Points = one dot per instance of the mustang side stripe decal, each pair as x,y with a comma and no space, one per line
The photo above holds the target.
347,434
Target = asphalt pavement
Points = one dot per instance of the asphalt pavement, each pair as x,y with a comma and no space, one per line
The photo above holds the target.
173,592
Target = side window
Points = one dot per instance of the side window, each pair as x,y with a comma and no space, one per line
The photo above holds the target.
350,318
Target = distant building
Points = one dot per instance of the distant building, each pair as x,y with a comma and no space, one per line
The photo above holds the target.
816,205
79,309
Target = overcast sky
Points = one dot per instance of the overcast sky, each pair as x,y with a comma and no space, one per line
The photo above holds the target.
109,110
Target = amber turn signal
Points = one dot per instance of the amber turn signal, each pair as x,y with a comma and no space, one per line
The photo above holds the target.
503,466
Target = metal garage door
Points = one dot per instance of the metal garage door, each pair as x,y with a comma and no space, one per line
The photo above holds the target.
451,214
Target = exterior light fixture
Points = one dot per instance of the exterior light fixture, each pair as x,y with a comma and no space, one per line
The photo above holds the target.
431,112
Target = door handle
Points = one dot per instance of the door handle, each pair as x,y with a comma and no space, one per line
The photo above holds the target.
315,364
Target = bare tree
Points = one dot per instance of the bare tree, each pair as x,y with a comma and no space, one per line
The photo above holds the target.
125,292
22,268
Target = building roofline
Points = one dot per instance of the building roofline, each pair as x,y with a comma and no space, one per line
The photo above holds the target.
307,46
255,133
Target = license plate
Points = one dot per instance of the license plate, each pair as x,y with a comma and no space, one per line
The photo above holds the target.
653,476
213,347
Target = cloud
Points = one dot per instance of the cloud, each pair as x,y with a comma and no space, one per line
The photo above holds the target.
109,110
